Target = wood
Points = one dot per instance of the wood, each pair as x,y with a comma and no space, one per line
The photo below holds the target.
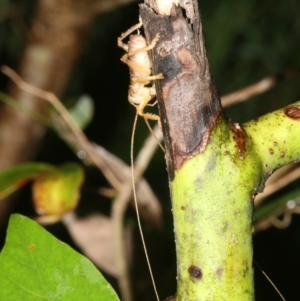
188,101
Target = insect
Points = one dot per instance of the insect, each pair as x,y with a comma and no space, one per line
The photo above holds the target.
141,92
137,59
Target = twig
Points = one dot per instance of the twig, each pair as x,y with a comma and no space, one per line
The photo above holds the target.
287,210
280,182
117,215
149,205
51,98
147,151
120,205
124,190
245,93
23,108
259,87
142,161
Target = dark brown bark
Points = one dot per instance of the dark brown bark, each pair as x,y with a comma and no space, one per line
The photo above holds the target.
188,101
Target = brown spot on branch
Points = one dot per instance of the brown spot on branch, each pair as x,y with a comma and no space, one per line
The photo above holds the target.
238,136
292,111
195,272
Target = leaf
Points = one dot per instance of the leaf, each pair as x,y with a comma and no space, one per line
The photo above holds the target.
94,235
57,192
36,266
267,209
13,178
82,112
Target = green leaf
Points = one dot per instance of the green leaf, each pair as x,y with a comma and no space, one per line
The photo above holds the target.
267,209
83,111
36,266
57,192
13,178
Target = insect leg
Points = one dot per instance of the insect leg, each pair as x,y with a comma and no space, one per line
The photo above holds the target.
143,49
126,34
146,79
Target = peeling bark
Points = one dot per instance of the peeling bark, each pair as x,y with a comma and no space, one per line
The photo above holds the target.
188,101
216,166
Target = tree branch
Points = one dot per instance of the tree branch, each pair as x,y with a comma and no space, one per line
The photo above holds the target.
188,101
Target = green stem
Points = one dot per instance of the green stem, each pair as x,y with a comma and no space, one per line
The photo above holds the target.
212,215
212,197
276,137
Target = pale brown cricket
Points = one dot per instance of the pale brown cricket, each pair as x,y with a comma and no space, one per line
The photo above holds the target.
141,92
139,64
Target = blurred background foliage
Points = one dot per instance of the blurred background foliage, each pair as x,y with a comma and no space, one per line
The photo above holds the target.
246,40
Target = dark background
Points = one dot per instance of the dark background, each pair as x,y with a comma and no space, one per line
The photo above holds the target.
246,40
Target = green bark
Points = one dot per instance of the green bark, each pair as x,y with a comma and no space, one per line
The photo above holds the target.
212,197
276,137
215,166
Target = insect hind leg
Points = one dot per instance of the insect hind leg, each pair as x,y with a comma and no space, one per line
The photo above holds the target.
143,49
145,80
127,33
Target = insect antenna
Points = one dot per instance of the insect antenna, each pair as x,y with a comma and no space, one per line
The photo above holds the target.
270,281
151,130
137,208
